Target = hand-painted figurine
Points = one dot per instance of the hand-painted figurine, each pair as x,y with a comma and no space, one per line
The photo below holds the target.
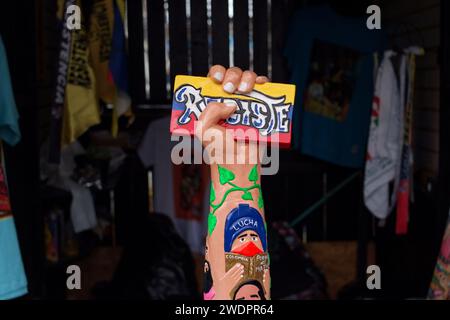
246,244
246,259
236,255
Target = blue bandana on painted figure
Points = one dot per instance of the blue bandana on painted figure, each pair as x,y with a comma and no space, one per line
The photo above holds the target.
240,219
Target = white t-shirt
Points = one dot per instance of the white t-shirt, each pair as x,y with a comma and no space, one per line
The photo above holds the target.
181,192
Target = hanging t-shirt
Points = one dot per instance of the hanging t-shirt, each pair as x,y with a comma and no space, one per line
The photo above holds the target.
13,282
9,127
331,62
384,146
180,191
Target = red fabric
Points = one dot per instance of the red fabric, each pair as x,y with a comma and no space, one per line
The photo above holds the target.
401,226
5,206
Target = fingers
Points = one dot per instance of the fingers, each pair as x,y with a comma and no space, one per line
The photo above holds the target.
237,270
236,276
247,81
217,72
232,79
261,79
235,273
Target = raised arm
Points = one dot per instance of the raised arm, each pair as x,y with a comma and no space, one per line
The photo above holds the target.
237,264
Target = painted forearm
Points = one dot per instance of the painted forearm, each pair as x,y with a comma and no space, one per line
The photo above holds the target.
236,265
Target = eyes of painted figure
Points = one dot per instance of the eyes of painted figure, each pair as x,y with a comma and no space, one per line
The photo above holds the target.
250,236
245,238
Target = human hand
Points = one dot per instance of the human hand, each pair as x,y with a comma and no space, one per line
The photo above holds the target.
234,79
226,284
208,129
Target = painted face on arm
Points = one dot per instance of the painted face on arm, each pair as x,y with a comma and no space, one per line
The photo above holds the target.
247,244
250,290
245,232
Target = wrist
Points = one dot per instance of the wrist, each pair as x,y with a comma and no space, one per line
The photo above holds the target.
232,185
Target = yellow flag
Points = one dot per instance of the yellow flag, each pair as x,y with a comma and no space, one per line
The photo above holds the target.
81,107
102,21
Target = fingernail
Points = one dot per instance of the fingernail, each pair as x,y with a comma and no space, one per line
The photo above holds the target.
243,86
218,76
228,87
230,104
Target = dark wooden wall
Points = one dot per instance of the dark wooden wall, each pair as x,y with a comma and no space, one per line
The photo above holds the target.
407,262
252,39
444,134
417,22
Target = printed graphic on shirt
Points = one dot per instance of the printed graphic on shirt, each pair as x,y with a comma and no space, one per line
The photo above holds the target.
100,45
190,182
78,65
331,80
101,28
5,206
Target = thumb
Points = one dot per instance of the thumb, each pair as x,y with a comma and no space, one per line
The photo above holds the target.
214,113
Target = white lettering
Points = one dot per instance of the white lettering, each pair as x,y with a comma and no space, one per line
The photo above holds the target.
267,114
374,20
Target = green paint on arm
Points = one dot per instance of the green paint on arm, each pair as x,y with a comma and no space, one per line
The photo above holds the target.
212,195
260,199
247,196
212,221
253,175
225,175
